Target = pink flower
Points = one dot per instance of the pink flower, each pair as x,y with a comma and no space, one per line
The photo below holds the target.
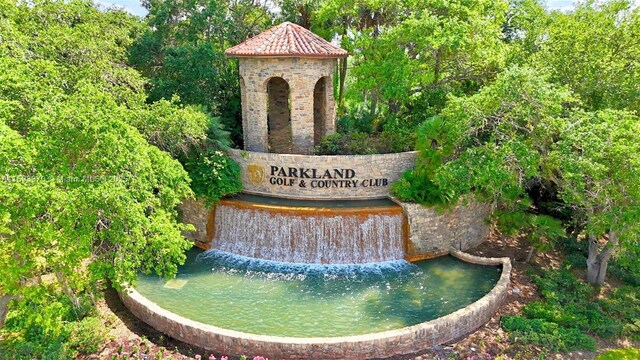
223,358
211,357
258,357
198,356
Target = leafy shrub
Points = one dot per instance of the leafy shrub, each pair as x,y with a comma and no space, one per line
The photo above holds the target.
620,354
573,299
419,189
359,143
214,175
569,311
45,325
624,303
547,334
86,335
541,231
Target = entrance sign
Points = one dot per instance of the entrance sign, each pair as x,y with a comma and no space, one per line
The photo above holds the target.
321,177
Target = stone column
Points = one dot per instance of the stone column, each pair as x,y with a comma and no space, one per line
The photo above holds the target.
330,106
302,116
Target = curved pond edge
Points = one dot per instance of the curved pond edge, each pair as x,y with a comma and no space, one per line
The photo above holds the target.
408,340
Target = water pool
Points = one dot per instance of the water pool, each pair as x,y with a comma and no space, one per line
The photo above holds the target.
301,300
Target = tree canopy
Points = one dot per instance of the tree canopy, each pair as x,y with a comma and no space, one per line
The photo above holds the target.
108,121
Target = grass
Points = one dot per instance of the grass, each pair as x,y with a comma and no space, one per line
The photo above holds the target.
620,354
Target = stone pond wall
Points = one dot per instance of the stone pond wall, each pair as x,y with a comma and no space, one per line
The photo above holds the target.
372,174
408,340
195,213
433,231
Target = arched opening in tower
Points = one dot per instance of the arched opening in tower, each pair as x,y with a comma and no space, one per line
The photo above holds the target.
279,116
319,110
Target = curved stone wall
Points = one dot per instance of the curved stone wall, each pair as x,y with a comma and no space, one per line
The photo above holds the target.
386,344
433,231
329,177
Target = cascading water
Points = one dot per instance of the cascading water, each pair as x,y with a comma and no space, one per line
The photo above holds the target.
309,235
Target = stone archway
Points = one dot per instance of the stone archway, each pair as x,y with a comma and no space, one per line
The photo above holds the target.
279,116
320,109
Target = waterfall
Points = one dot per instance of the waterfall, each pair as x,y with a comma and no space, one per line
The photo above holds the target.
322,236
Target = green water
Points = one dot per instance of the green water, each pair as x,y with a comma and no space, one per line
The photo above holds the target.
263,298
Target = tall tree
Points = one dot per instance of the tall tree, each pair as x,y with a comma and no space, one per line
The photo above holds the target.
595,51
598,166
80,181
408,53
182,52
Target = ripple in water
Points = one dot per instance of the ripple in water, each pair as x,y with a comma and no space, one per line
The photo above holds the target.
302,300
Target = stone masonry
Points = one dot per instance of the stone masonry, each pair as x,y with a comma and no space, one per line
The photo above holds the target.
367,168
433,232
194,212
301,74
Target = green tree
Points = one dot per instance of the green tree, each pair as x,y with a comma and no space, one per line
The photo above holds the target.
182,53
81,183
496,142
407,54
598,166
595,51
495,145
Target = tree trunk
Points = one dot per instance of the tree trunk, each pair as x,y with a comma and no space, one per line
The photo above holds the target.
4,307
342,68
436,67
67,289
530,254
597,261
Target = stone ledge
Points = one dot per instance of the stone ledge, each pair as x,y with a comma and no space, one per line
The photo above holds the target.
386,344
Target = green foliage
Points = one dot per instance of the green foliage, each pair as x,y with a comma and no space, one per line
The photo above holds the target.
81,182
406,51
414,188
541,231
87,335
493,143
176,129
214,175
596,160
619,354
47,326
500,136
362,144
624,304
571,308
546,334
594,50
186,58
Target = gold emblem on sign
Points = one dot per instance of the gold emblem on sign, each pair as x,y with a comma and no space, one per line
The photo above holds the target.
255,173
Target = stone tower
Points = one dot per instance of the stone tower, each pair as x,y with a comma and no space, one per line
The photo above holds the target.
286,85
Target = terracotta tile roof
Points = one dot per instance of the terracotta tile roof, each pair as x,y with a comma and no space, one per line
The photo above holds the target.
286,40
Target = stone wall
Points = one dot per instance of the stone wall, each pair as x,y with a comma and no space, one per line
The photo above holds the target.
301,74
194,212
372,174
433,231
408,340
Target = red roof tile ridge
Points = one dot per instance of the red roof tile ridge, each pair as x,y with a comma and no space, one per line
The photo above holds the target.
286,40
